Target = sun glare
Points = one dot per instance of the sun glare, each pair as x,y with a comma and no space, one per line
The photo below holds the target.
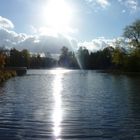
58,15
58,112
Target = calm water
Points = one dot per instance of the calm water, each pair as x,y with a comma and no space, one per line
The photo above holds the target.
68,104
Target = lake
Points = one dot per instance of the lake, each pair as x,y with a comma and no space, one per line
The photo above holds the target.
70,104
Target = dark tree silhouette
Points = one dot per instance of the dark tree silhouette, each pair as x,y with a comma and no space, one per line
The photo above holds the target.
67,58
132,32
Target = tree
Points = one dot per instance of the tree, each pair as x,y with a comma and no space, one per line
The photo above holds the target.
132,61
132,32
15,58
2,60
64,57
3,54
25,57
83,57
118,57
67,58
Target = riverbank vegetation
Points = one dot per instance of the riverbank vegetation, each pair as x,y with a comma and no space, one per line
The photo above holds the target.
5,74
117,57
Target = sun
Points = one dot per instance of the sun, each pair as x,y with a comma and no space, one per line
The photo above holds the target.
58,15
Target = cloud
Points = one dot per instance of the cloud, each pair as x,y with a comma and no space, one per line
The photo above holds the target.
103,3
101,43
96,4
10,38
97,44
39,43
46,30
42,40
35,43
132,5
47,42
6,23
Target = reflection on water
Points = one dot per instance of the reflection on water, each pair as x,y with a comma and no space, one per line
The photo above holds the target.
70,104
57,94
57,112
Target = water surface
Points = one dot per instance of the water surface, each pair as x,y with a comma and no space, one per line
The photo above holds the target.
70,104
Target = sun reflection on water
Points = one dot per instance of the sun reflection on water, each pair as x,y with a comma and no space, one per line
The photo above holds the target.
57,93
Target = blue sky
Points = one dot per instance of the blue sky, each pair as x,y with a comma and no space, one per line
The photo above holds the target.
90,19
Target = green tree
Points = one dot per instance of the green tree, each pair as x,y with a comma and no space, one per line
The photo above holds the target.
132,61
25,55
15,59
118,57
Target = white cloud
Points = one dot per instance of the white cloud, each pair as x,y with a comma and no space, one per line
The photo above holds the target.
101,43
96,4
43,39
103,3
97,44
32,29
47,42
6,23
35,43
132,5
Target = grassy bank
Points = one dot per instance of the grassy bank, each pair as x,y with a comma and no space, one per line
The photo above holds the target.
6,74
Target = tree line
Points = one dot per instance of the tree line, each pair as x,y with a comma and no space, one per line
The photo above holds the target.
24,58
111,57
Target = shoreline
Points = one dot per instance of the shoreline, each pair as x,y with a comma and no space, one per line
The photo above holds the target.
6,74
113,71
119,72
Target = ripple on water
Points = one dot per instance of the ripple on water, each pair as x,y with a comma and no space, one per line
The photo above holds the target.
70,104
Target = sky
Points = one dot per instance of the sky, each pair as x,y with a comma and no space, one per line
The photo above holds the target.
47,25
